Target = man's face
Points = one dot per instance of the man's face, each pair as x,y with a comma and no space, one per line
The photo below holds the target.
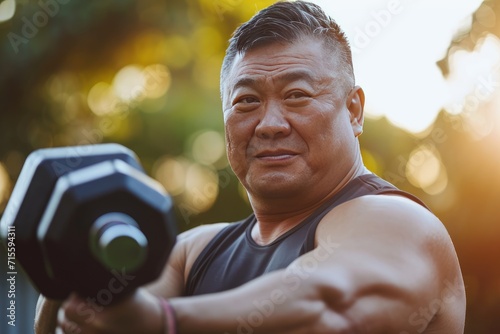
288,126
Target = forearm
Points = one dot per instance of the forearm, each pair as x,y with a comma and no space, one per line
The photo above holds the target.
274,303
46,315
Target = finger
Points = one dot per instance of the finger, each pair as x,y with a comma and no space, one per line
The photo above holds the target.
68,328
65,325
60,316
71,306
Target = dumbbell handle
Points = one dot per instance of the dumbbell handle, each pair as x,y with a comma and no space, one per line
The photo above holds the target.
117,242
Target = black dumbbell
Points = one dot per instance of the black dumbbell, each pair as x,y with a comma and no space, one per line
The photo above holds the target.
88,219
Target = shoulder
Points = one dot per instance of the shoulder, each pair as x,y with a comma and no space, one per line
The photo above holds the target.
394,221
202,231
392,213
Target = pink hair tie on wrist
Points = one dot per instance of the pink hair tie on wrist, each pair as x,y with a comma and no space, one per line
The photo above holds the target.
169,317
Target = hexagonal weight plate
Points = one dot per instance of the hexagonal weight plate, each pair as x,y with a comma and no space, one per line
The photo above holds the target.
80,198
32,193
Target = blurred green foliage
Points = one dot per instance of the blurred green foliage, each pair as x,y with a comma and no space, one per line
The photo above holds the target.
50,62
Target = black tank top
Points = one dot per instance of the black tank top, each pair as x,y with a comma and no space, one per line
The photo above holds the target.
232,257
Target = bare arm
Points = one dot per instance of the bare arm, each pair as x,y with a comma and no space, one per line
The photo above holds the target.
379,261
46,315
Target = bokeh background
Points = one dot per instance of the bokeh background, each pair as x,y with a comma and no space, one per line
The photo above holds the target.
145,73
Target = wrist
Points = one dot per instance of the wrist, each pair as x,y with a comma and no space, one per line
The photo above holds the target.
169,319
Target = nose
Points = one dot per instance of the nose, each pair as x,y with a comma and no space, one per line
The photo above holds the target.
273,123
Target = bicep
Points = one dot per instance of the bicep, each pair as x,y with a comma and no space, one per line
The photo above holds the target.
368,292
373,269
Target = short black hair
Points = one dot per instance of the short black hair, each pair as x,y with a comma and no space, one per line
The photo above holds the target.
286,22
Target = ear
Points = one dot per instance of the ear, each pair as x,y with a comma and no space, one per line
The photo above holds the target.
355,104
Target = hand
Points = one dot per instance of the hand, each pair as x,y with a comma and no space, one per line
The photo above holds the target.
138,313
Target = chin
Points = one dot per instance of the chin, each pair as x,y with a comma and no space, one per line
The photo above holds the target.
276,186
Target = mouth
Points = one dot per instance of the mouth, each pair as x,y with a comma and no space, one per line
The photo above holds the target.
275,155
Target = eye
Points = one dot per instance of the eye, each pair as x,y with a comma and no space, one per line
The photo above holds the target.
296,94
246,103
245,100
248,99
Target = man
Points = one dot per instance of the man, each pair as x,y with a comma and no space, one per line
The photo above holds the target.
330,248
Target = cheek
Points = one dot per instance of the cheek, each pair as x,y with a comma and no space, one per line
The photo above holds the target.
329,134
237,139
239,130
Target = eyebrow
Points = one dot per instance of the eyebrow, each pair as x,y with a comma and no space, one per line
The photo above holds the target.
244,82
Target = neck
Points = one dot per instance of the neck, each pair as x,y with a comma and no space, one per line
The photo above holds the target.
273,222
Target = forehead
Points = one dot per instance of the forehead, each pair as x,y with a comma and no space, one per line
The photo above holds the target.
304,55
